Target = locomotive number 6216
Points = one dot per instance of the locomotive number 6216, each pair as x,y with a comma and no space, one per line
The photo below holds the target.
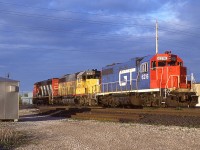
145,76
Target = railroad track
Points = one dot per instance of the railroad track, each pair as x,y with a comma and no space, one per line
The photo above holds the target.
158,111
105,116
163,116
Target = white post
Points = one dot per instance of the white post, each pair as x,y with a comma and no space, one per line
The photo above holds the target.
156,37
192,78
198,105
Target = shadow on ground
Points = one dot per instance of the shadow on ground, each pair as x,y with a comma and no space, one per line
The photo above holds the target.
56,114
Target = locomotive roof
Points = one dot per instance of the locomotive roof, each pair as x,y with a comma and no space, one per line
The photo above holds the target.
81,73
132,59
112,64
45,81
88,72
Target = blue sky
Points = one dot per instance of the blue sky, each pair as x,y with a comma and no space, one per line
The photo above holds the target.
42,39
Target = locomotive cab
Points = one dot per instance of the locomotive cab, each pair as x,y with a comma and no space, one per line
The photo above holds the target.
45,91
87,85
87,82
168,72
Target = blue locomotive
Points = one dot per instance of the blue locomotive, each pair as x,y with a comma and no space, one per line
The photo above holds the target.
149,81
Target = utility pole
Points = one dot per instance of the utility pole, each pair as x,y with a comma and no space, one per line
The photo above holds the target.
156,37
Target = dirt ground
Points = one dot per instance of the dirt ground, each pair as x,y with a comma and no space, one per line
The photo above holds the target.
47,132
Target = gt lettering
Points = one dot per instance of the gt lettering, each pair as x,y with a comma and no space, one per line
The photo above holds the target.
124,78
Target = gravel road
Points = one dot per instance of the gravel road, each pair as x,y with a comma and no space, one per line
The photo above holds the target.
59,133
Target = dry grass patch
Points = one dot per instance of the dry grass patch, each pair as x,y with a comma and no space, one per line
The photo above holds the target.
9,138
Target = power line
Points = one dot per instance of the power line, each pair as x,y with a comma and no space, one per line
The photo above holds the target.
96,51
69,18
101,22
76,12
67,30
111,36
91,21
67,49
89,13
179,31
103,35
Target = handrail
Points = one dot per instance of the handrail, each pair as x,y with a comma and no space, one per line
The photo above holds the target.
166,85
114,86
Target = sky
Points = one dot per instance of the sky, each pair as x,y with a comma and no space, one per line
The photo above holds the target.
42,39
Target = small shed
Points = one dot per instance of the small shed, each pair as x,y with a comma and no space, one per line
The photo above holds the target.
9,99
196,88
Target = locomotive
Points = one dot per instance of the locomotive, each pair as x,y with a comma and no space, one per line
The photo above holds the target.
158,80
77,88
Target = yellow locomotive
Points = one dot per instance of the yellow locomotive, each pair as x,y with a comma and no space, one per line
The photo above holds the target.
79,88
87,85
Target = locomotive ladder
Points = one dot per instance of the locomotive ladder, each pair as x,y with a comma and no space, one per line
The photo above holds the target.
167,91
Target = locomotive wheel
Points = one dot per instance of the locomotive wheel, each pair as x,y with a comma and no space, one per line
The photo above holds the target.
145,100
104,101
81,101
154,102
113,102
150,100
93,102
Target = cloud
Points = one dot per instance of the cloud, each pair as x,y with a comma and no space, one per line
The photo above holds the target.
41,39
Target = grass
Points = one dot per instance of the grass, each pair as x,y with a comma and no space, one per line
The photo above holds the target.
10,138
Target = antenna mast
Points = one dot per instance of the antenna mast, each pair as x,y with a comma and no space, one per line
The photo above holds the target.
156,37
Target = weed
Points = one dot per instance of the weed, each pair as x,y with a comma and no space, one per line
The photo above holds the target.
10,138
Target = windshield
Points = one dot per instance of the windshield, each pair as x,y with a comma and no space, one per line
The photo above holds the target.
161,63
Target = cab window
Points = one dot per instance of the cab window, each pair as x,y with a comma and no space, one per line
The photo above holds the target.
153,64
172,63
144,67
180,63
161,63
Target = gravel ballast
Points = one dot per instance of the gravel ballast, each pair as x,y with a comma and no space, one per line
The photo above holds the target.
60,133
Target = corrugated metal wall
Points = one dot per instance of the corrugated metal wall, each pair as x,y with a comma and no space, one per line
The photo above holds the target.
9,99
